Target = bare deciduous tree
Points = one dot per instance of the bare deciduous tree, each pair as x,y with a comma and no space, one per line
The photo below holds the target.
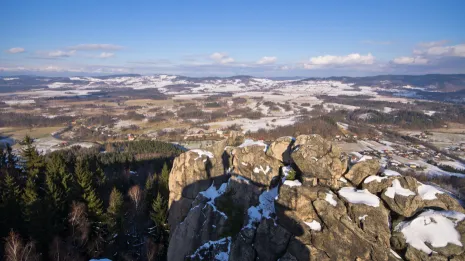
15,250
135,193
79,222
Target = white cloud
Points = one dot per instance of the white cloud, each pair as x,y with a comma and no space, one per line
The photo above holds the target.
95,47
331,60
106,55
432,44
222,58
15,50
59,53
439,49
410,60
267,60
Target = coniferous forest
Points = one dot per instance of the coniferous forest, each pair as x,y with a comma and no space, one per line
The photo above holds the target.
79,203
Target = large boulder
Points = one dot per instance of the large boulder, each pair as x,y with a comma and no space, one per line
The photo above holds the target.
376,184
271,240
202,224
406,196
317,158
295,211
190,174
242,247
361,170
280,149
193,171
431,235
251,162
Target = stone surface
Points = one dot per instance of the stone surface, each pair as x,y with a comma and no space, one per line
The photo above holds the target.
280,149
252,162
271,240
311,221
317,158
361,170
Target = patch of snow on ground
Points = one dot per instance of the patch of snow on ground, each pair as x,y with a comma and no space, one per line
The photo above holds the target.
249,142
436,228
314,225
397,188
429,113
329,198
390,173
292,183
373,178
342,179
363,217
428,192
201,153
453,164
355,196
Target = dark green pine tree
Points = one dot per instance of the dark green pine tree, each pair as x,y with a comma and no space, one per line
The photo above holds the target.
150,191
85,181
10,206
163,184
58,190
115,215
58,181
35,164
159,211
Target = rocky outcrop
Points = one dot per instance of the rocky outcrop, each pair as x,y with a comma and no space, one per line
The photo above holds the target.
362,170
251,211
317,158
280,149
252,162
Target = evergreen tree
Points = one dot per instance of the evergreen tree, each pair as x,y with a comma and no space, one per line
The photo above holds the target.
150,191
159,211
114,215
10,208
84,179
163,185
35,164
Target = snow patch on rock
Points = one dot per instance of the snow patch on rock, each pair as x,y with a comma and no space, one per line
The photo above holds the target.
314,225
437,228
202,152
355,196
373,178
428,192
396,188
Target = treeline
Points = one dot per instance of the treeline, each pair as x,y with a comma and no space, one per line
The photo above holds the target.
323,125
402,118
79,204
13,119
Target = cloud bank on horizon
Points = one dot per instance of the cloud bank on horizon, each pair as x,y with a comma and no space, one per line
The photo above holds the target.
201,42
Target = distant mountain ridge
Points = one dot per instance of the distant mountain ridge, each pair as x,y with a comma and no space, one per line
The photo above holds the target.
429,82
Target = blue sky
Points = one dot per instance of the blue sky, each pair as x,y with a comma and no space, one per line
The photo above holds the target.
205,38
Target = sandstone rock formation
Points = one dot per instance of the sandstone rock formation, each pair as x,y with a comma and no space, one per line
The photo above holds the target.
252,210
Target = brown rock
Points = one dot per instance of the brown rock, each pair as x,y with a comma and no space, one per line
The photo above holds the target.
317,158
361,170
280,149
252,163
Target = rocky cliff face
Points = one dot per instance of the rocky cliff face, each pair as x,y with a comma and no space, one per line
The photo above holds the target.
297,199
